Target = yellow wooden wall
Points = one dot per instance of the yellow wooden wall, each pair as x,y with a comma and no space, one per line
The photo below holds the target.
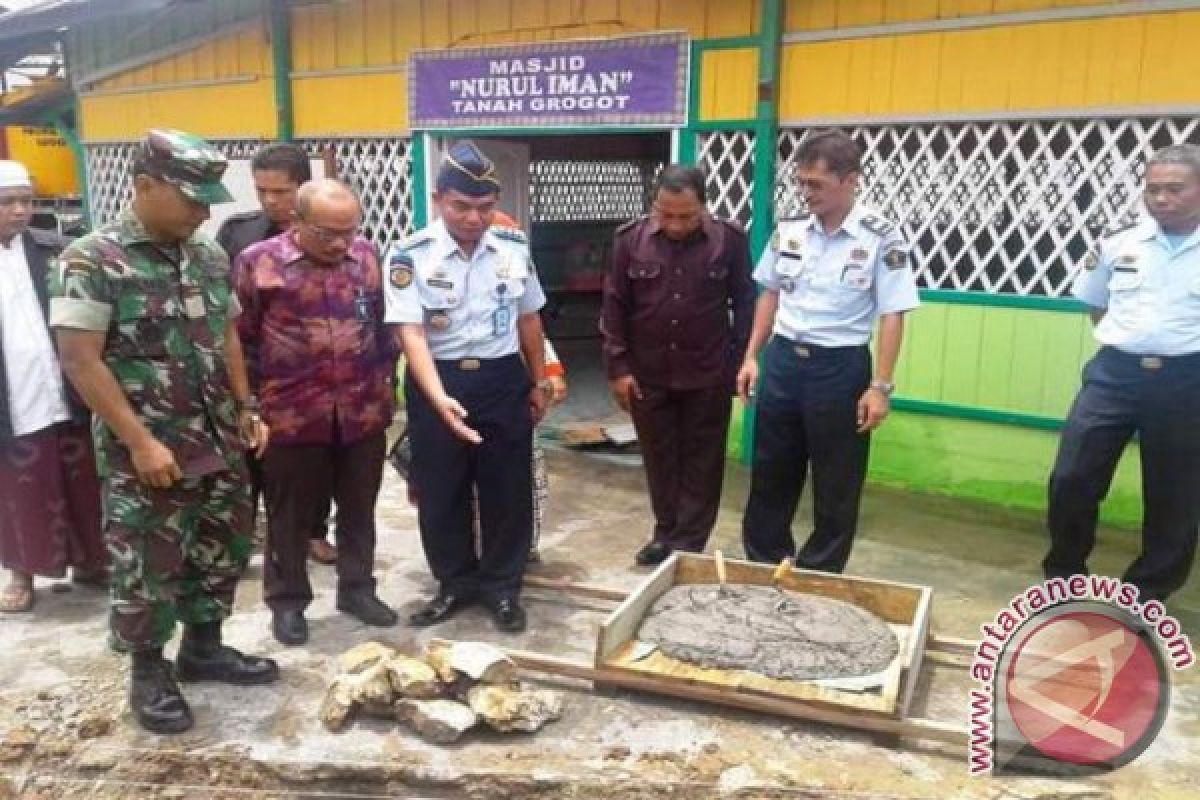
350,57
728,84
368,34
810,15
1142,60
227,91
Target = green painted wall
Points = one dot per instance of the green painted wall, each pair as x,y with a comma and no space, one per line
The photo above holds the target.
1011,359
1002,464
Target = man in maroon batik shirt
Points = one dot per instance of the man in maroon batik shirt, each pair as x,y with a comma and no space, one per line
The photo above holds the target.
312,301
676,316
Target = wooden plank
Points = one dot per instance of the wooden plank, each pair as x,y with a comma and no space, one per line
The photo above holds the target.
917,638
951,644
917,729
581,589
621,625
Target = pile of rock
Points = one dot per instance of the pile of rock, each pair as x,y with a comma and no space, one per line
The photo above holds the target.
452,688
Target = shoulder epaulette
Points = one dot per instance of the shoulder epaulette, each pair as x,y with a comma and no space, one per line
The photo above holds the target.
628,226
48,239
732,225
509,234
877,225
414,241
243,216
1119,229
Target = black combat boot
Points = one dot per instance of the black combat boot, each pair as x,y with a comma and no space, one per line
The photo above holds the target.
154,696
202,657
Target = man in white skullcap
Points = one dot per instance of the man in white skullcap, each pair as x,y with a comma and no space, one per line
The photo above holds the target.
49,493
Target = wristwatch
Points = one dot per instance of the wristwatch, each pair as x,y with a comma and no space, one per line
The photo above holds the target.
884,386
547,386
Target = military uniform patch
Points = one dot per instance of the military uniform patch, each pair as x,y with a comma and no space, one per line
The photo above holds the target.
859,254
895,258
439,320
401,277
787,285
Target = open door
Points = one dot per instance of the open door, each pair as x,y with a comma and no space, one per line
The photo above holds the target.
511,158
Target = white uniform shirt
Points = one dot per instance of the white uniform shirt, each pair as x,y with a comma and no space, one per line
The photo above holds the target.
469,306
1151,291
36,399
833,286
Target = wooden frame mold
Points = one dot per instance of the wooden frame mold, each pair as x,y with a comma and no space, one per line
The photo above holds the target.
904,607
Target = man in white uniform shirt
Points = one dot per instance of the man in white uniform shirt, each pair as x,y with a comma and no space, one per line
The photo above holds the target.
1143,286
828,277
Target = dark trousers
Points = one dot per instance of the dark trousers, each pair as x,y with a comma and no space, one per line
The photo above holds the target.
445,469
254,466
1122,395
807,414
299,481
682,436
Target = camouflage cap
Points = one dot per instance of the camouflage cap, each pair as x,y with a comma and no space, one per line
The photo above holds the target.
187,162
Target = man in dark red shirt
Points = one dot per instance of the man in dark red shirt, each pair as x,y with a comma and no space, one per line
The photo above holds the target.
678,304
312,301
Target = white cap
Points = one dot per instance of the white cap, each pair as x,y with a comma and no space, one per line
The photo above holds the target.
14,175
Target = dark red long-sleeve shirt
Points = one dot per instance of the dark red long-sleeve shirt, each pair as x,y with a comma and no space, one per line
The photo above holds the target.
677,314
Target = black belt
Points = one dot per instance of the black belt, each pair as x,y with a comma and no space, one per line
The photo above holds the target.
1152,362
473,364
807,350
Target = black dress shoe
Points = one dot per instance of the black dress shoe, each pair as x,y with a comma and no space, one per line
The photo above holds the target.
440,608
368,608
651,554
508,615
154,697
290,627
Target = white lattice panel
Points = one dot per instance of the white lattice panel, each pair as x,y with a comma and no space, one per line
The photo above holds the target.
1010,207
380,171
110,185
377,168
727,158
590,190
108,180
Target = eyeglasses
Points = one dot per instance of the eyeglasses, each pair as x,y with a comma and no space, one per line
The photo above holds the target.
329,236
8,200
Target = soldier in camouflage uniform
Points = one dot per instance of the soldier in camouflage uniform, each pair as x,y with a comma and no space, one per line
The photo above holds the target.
145,322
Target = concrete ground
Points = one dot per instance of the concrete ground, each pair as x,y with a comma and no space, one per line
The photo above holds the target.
65,731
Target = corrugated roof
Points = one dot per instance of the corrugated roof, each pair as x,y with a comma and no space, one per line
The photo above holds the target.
53,15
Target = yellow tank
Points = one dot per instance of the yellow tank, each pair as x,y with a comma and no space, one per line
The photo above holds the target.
47,157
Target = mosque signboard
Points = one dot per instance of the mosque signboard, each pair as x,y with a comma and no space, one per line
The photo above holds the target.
623,81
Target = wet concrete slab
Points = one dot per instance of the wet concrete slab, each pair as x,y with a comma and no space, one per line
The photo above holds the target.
65,731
